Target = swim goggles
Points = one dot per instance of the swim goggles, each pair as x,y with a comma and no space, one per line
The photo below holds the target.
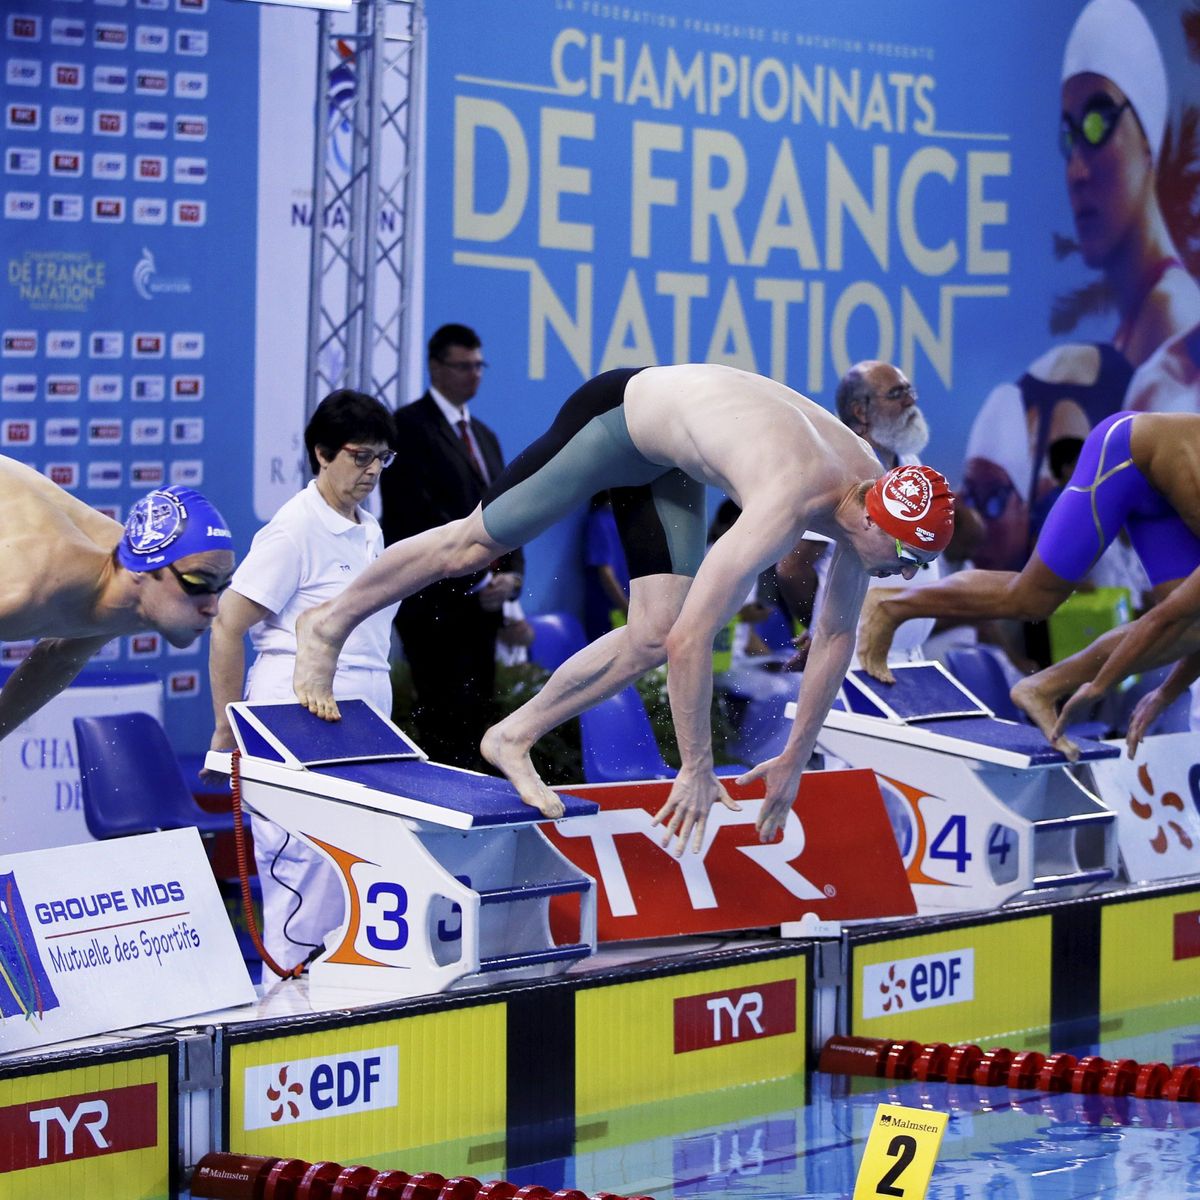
197,585
905,555
1100,117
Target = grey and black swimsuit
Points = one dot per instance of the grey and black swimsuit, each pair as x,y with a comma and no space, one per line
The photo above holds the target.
659,510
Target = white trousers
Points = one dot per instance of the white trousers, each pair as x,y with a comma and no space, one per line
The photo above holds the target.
301,892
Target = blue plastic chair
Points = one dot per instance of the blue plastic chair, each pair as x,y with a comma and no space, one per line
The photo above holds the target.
131,781
618,741
979,672
556,636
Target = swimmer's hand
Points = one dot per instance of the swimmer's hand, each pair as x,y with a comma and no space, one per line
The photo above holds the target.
875,632
1147,710
685,813
783,783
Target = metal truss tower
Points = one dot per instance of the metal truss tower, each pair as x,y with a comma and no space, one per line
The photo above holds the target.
364,197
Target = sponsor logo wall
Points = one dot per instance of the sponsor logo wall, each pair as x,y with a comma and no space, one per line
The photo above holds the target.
128,293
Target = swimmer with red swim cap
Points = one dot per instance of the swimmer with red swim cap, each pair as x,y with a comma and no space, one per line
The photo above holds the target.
654,438
75,579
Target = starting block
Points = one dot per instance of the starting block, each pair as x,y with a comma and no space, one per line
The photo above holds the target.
982,808
445,876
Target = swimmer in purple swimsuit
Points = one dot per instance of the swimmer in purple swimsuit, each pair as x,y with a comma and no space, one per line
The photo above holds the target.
1138,470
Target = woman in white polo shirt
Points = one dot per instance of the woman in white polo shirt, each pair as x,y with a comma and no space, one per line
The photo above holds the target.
316,544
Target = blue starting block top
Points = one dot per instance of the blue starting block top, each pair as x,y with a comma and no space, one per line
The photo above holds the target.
486,799
926,697
365,748
289,733
922,692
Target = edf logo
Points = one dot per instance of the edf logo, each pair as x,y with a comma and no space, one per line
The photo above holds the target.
312,1089
928,981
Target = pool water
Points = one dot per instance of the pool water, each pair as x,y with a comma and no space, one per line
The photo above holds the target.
1000,1144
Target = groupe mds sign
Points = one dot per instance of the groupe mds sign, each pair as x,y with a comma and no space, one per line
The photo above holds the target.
106,937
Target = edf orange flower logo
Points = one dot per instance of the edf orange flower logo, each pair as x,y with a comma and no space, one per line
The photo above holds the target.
1145,810
892,990
281,1095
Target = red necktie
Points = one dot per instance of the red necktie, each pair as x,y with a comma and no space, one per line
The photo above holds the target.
464,433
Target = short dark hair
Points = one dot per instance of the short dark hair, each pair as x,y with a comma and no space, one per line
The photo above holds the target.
345,417
452,335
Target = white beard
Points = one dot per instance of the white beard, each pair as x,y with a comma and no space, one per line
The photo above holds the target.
907,433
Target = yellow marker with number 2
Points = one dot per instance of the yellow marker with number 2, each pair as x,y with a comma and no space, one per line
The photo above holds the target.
902,1149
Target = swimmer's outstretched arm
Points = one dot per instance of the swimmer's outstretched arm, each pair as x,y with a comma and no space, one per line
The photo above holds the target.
758,537
1031,595
47,670
828,661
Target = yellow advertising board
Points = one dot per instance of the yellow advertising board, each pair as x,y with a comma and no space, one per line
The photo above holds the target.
384,1093
969,983
691,1033
100,1129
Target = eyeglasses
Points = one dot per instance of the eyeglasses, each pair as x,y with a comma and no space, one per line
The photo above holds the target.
1100,117
197,585
901,391
905,555
463,367
363,456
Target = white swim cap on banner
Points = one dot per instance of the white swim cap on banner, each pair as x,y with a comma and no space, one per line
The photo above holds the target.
1113,38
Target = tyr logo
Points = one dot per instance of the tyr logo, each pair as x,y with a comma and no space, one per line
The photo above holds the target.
735,1015
748,1004
92,1114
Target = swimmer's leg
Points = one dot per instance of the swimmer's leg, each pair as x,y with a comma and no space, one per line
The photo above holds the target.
456,548
596,672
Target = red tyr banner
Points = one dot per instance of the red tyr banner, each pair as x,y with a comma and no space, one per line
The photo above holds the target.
837,858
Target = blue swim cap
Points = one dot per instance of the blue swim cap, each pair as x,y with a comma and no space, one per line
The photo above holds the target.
168,525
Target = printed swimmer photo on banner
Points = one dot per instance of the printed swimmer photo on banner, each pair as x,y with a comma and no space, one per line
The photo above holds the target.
1010,219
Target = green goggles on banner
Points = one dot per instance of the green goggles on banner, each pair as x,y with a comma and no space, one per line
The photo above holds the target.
1100,119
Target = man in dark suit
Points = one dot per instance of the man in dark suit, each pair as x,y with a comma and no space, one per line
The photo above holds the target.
445,459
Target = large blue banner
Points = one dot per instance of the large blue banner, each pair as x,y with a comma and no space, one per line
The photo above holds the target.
787,188
127,310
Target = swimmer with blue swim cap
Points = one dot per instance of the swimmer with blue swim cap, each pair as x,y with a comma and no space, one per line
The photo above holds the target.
74,579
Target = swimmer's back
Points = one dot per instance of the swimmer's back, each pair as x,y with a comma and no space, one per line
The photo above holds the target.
736,430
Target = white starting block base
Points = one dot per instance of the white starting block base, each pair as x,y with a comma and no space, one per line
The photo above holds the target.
446,879
983,809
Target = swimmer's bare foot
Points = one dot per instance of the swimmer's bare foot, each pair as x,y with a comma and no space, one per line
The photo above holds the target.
507,754
875,632
316,662
1032,698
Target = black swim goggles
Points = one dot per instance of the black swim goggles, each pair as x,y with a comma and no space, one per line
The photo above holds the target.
1100,117
197,585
